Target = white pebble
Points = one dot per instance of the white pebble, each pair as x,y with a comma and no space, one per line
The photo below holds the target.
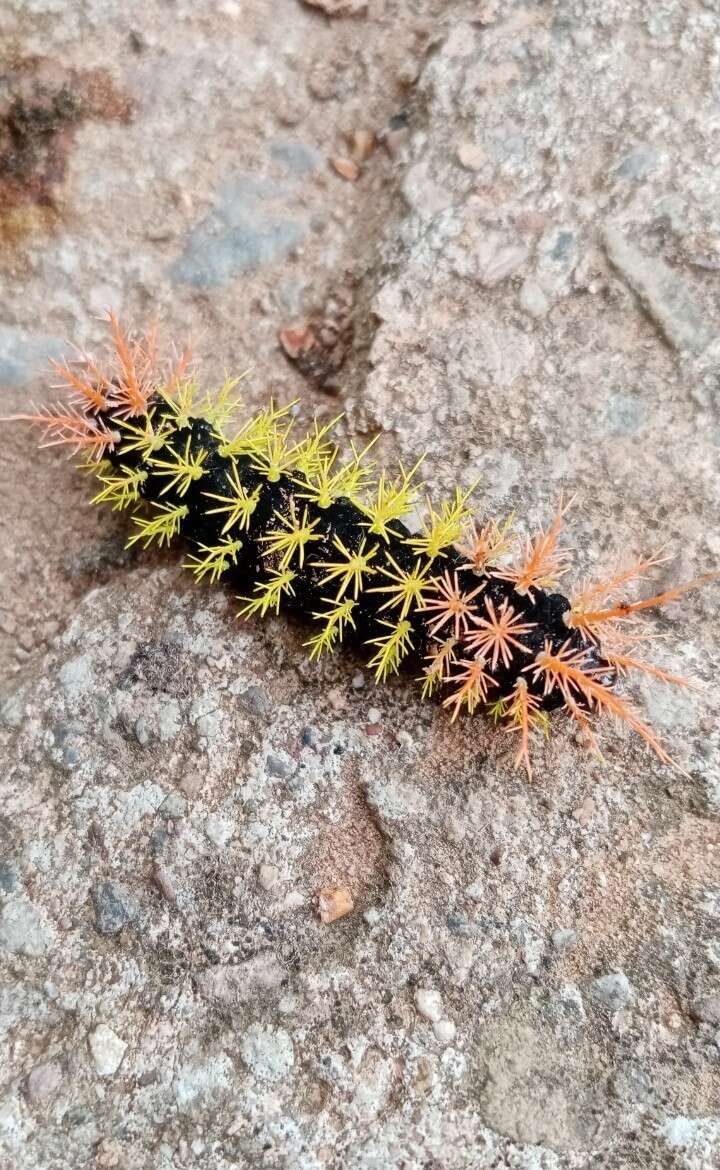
429,1004
218,830
269,1053
107,1050
268,876
445,1031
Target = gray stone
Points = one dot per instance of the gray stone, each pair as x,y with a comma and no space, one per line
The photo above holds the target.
495,258
706,1010
247,230
281,766
268,1052
299,158
564,939
538,1091
633,1083
661,292
114,907
43,1080
107,1050
23,929
255,700
613,991
8,877
219,830
174,806
22,351
200,1083
639,163
233,985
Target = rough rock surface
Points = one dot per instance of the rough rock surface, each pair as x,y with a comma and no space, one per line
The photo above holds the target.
530,975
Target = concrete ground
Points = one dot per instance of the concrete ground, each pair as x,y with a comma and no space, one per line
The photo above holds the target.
520,279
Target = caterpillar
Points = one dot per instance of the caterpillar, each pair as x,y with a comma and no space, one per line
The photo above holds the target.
290,523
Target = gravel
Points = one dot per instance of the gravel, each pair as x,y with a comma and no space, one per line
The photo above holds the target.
114,907
613,991
24,930
268,1052
107,1050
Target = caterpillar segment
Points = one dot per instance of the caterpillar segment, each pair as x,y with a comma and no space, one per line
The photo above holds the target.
290,525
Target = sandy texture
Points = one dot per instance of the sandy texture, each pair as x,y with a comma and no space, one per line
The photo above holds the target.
529,976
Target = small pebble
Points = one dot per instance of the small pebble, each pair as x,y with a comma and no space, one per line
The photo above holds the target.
706,1010
163,881
564,939
470,156
43,1080
255,700
174,806
613,991
358,680
533,300
268,876
374,715
445,1031
107,1050
346,168
114,908
336,699
362,145
429,1004
333,903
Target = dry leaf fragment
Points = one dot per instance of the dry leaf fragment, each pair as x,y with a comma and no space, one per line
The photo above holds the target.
346,168
362,145
334,903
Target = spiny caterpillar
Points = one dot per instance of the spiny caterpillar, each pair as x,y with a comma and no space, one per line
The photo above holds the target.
292,524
